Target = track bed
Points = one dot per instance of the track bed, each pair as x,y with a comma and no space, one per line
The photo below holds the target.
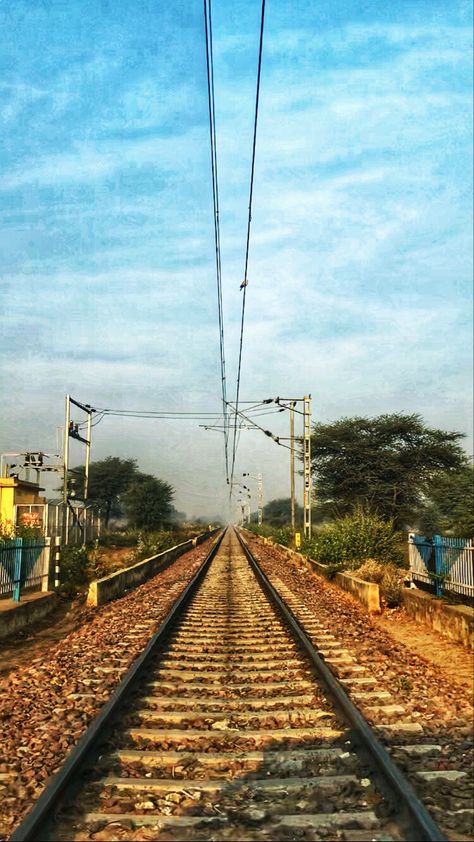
226,732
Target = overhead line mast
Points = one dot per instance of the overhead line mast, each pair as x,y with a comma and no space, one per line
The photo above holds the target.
244,283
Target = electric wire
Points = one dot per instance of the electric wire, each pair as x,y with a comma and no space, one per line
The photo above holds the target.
215,197
247,248
268,433
160,412
178,414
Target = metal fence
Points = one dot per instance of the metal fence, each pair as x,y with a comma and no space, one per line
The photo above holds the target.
24,565
82,523
442,564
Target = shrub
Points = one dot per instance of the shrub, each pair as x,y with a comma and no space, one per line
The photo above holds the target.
151,543
28,529
332,569
355,538
7,530
279,534
371,571
389,577
73,568
99,565
117,540
284,536
391,588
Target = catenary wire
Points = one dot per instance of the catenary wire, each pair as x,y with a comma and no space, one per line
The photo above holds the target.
215,197
247,247
268,433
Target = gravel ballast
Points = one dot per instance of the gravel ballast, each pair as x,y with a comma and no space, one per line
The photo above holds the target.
46,707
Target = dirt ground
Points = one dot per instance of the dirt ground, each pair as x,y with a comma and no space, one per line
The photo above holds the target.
26,645
454,659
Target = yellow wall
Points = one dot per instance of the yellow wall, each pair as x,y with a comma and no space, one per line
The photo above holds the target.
6,500
14,493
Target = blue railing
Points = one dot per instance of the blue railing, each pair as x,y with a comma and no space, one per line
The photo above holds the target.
22,565
443,564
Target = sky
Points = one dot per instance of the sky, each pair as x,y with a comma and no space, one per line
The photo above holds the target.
360,264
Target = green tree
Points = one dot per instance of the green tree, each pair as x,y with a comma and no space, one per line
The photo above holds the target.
147,502
278,512
450,505
389,463
108,479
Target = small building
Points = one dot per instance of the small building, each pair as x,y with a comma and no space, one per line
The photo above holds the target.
19,498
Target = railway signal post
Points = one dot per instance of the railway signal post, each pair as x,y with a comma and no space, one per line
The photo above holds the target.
307,466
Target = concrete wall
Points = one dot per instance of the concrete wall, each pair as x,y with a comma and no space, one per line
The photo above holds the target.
454,621
115,585
17,615
368,593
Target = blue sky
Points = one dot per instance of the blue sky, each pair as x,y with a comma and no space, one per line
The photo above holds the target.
360,262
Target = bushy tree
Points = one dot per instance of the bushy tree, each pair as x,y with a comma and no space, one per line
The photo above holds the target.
147,502
389,463
108,479
450,507
278,512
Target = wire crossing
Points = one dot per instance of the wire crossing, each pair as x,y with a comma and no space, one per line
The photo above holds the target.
217,238
244,283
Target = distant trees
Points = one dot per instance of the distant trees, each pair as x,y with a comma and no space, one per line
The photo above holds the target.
391,463
116,483
278,512
147,502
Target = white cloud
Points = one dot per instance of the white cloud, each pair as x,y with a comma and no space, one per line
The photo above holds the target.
90,162
356,276
18,97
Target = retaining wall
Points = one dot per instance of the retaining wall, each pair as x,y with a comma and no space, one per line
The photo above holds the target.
113,586
454,621
368,593
32,607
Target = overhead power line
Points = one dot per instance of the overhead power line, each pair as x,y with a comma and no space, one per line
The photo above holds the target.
277,439
177,415
244,283
215,198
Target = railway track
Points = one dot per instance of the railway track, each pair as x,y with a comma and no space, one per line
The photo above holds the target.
229,726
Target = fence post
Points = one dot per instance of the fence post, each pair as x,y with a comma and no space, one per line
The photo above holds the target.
411,563
17,569
56,559
439,566
46,564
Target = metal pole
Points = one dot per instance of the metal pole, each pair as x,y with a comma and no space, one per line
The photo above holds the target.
67,418
292,466
88,456
260,499
57,556
307,466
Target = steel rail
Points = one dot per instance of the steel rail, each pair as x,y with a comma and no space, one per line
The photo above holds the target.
392,781
41,814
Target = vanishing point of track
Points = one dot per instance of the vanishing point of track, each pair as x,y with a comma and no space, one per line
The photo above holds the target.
229,726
